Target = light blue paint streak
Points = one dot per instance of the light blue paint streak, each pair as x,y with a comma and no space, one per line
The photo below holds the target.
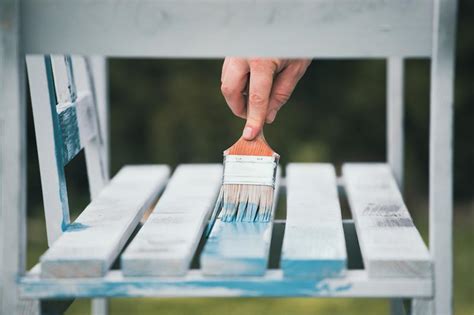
313,268
58,144
237,248
76,227
210,287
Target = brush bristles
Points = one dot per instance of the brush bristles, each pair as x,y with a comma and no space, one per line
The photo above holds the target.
246,203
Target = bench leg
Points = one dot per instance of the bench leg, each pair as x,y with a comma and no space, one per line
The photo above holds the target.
396,307
54,307
100,307
421,307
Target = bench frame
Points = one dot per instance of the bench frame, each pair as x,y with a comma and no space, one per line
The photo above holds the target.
33,27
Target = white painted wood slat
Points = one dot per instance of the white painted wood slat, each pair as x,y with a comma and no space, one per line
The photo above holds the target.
391,245
50,146
166,243
239,248
209,28
88,246
314,244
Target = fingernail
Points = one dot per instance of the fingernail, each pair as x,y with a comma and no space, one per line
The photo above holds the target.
271,116
247,134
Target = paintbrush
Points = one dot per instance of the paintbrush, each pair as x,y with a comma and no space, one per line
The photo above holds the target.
248,182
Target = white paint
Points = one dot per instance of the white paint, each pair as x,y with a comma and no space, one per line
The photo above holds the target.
209,28
395,88
166,243
441,153
12,158
95,153
89,246
61,81
99,73
391,245
314,243
49,156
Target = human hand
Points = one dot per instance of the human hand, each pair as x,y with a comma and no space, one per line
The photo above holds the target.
268,82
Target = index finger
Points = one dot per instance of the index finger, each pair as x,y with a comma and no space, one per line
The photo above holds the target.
260,87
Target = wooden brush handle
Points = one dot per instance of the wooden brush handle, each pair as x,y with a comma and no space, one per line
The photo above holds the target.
258,146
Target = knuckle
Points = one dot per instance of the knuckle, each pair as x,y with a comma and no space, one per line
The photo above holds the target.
227,89
263,65
257,100
281,97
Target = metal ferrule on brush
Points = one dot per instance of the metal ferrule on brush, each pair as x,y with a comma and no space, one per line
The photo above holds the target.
250,170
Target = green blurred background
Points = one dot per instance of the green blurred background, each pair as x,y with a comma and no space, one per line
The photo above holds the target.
172,112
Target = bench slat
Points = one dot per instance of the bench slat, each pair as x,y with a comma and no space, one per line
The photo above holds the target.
355,283
314,243
238,248
391,246
88,247
166,243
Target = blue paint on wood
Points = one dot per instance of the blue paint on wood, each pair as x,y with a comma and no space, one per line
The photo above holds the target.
313,268
237,248
58,144
76,226
67,116
183,286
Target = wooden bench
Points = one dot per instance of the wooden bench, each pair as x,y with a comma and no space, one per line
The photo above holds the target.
106,252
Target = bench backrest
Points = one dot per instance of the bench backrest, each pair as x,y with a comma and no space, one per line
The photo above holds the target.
66,121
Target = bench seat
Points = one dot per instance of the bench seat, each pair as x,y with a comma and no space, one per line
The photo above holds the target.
313,252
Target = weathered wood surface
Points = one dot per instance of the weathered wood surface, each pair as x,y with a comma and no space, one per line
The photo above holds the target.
239,248
356,283
88,246
49,141
358,28
63,79
391,245
395,117
314,244
441,152
166,243
13,164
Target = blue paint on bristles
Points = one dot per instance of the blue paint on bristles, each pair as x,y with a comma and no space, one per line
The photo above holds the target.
242,203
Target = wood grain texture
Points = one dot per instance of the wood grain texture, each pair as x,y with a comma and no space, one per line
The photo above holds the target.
239,248
356,283
358,28
391,245
313,245
166,243
88,246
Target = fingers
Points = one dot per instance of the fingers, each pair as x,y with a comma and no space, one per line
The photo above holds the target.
260,87
271,84
234,81
283,87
